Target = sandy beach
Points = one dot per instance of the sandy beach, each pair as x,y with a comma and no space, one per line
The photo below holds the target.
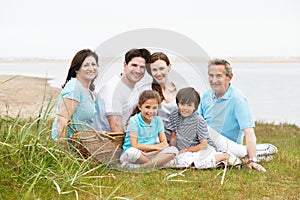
23,96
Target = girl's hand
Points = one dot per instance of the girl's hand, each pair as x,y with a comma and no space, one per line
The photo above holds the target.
149,153
162,145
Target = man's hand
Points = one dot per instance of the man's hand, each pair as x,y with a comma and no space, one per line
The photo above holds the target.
258,167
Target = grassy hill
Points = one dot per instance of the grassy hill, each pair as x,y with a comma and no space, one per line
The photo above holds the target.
35,167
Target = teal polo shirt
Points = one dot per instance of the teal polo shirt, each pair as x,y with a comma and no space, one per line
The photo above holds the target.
85,110
228,115
147,134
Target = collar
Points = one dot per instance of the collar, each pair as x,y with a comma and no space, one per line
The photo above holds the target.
123,82
142,122
226,95
121,79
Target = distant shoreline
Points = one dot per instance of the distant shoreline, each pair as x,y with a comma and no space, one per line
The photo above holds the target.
22,96
265,60
174,59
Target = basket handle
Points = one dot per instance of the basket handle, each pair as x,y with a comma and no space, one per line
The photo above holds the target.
106,134
98,133
82,124
79,124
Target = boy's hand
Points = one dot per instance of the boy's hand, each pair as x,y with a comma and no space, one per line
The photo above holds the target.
183,151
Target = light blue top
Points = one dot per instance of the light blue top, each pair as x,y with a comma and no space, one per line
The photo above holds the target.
84,112
228,115
147,134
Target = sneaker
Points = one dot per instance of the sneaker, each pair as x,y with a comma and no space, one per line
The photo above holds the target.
261,158
265,149
233,160
220,165
265,158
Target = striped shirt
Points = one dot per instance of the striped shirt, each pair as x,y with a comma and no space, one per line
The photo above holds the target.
189,130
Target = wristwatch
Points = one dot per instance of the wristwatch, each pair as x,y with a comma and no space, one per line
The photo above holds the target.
254,159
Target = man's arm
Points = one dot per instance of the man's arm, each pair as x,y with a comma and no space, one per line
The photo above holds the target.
251,148
115,123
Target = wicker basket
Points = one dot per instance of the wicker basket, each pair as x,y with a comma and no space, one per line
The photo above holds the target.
104,147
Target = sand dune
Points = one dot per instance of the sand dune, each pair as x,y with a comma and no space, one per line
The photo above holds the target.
23,96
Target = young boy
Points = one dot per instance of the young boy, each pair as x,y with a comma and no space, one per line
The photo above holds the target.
189,134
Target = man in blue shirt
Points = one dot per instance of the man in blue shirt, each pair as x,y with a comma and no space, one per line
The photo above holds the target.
227,111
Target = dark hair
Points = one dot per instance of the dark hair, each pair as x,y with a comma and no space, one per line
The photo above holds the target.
154,57
188,95
146,95
144,53
76,63
225,63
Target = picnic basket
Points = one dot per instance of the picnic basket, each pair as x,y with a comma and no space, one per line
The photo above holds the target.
104,147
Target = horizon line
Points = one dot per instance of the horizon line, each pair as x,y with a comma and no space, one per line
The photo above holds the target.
174,59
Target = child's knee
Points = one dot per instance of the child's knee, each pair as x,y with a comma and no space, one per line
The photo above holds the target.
131,155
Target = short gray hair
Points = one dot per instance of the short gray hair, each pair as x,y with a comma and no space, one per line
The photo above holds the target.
218,61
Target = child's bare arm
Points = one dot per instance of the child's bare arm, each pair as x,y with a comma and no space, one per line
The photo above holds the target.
201,146
148,147
173,139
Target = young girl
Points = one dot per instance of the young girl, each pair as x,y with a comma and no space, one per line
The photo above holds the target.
190,135
140,148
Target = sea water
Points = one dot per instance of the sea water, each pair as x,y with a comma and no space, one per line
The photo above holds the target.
272,89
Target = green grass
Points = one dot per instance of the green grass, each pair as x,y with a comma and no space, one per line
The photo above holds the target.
35,167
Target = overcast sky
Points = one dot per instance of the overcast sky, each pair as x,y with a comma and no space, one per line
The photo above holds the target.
59,28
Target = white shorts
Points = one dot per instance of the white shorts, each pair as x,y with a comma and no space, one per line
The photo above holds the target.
224,144
132,154
202,159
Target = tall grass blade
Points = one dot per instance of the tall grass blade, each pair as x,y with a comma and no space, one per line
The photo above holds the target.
114,191
32,185
57,187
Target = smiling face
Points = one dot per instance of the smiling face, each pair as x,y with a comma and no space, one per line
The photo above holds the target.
218,79
149,110
88,69
134,71
159,71
186,109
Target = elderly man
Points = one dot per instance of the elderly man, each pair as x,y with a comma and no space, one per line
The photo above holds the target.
227,112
